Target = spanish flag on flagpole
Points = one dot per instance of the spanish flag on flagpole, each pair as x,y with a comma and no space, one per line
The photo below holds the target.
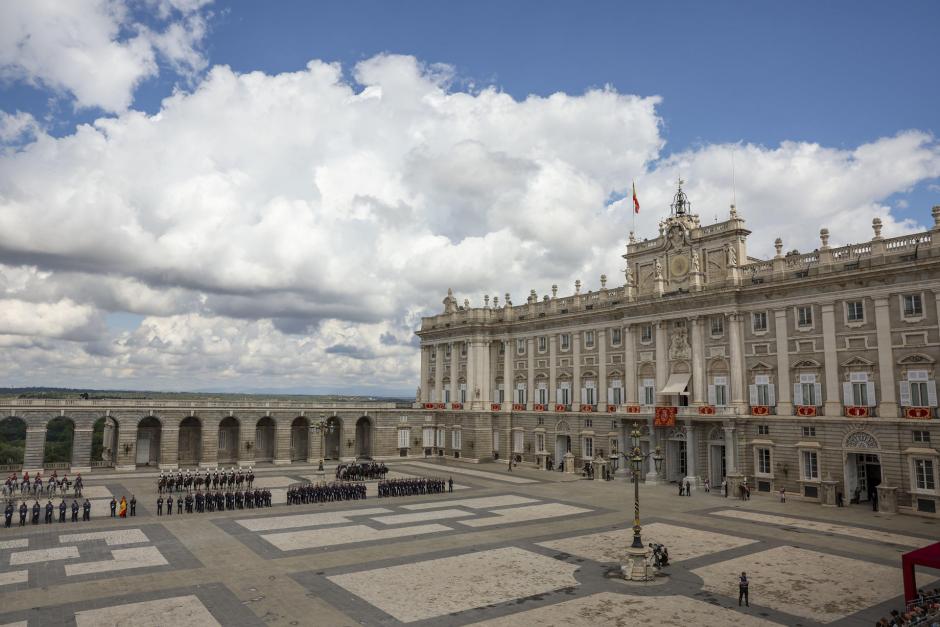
636,201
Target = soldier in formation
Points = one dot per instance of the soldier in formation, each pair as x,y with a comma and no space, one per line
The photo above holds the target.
325,492
411,487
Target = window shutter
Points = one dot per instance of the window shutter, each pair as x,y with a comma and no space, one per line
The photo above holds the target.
557,395
641,394
583,394
847,398
610,395
905,396
817,391
797,393
932,393
711,394
752,390
771,395
871,393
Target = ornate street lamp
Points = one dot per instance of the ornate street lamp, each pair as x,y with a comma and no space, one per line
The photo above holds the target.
635,568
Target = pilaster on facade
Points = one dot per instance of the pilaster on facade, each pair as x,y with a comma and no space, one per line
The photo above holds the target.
888,407
783,389
552,368
662,362
698,362
508,375
530,379
833,404
424,397
438,374
736,348
576,368
602,367
454,372
629,364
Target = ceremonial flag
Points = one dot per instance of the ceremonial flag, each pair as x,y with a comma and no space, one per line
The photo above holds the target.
636,201
122,512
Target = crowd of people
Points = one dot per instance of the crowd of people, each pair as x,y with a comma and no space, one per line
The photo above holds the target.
304,493
36,486
924,610
214,501
232,479
37,510
361,471
412,487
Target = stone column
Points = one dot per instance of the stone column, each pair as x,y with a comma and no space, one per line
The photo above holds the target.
887,399
486,375
315,441
698,362
530,380
127,436
472,363
552,369
662,361
81,450
602,368
438,373
626,446
576,369
629,365
736,377
652,477
169,448
690,452
454,370
246,436
508,375
425,368
282,452
730,450
833,389
784,388
210,444
35,449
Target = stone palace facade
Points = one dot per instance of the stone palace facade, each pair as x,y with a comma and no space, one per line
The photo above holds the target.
811,372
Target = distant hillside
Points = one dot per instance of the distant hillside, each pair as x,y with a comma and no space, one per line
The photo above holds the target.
63,393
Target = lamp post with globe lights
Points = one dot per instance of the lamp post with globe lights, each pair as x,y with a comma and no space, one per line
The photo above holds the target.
634,566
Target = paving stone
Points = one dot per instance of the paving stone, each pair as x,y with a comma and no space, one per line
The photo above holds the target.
483,502
43,555
174,612
443,471
308,520
124,559
14,576
437,514
111,538
314,538
20,543
438,587
525,513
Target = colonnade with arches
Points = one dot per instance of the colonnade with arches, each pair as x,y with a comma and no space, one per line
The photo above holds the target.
79,441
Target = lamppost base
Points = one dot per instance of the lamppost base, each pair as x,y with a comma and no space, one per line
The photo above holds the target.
635,566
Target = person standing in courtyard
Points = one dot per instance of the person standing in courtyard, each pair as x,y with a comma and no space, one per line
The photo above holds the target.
113,507
450,484
743,590
86,510
8,514
160,505
783,495
688,488
133,505
707,484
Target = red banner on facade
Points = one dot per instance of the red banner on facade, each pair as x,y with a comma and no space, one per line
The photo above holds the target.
665,416
806,410
586,408
706,410
540,407
918,413
559,407
856,412
518,407
495,407
633,409
456,405
759,410
611,409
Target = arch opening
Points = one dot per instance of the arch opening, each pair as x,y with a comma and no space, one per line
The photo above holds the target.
299,439
104,442
228,440
149,432
60,436
12,442
264,439
190,442
333,445
364,437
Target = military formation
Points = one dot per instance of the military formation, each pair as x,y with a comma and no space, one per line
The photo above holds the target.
412,487
37,511
233,479
36,486
304,493
214,501
361,471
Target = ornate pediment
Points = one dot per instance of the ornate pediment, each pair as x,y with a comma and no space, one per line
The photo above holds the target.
861,440
806,363
761,366
917,359
857,362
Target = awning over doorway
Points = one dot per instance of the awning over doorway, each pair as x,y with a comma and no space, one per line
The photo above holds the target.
676,384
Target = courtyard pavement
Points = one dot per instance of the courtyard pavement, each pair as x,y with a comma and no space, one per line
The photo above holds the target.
505,548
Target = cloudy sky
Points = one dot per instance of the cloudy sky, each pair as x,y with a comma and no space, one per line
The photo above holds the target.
240,196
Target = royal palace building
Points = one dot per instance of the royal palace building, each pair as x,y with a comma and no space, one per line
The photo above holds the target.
810,372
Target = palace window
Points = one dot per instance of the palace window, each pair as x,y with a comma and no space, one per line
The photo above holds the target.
646,333
718,392
855,311
588,422
502,348
463,392
521,393
615,392
718,326
563,393
759,321
589,393
540,420
565,341
858,390
463,349
922,437
913,306
589,339
616,337
541,392
433,355
762,392
447,394
763,429
540,442
520,346
518,439
808,432
810,465
807,392
924,474
455,439
427,437
499,394
404,435
804,316
543,344
447,351
918,390
763,461
648,391
441,438
588,446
